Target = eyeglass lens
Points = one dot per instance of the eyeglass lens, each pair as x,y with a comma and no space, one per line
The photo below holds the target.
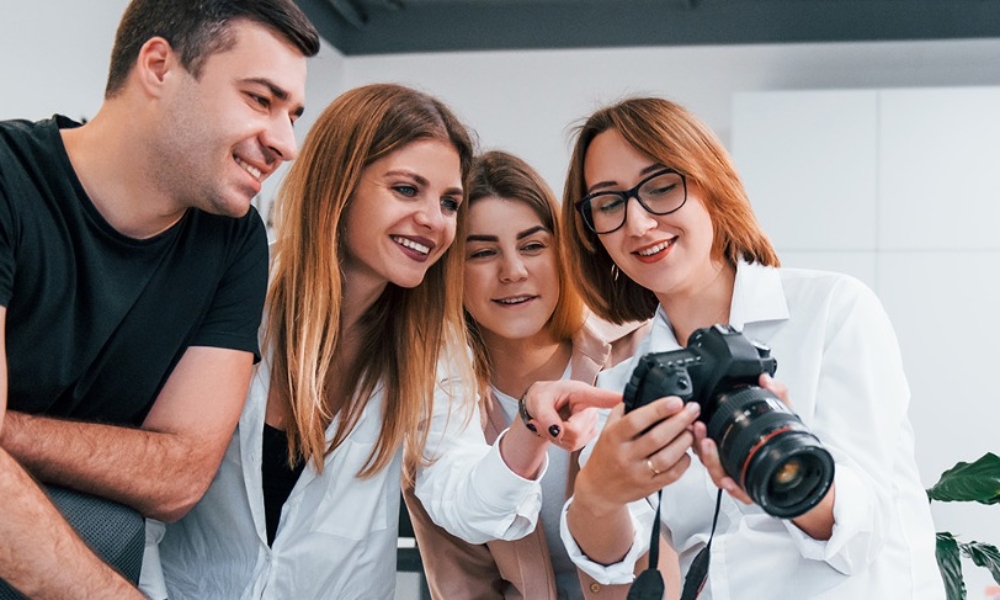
661,194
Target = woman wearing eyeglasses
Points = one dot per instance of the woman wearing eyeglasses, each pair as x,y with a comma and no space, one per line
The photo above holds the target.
659,226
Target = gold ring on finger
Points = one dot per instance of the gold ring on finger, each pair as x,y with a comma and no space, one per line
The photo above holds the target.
649,463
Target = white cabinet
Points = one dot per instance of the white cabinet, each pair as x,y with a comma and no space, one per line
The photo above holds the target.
808,160
939,169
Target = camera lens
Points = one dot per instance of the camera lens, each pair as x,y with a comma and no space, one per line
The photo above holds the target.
769,452
795,474
790,475
787,477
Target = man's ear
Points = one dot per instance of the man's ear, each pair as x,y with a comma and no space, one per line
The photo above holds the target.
154,65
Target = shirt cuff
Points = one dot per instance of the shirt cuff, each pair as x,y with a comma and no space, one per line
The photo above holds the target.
617,573
848,549
506,489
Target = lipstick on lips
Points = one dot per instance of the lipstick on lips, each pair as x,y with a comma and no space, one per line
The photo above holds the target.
417,248
654,252
513,300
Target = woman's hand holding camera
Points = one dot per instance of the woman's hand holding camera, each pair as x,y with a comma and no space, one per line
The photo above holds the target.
708,451
638,453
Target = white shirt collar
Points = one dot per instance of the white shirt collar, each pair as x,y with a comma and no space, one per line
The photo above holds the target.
758,296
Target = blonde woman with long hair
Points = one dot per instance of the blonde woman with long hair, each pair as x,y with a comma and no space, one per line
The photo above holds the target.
365,353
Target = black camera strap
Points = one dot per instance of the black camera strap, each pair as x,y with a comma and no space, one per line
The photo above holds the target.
698,573
649,584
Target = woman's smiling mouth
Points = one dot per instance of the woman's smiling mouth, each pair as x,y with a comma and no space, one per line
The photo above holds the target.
513,300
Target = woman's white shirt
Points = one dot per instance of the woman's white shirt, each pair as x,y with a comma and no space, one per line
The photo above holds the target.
838,355
337,534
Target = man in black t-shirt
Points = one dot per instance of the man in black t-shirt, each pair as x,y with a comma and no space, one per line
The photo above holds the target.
132,275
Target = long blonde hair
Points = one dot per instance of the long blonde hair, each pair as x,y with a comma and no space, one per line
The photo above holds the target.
306,291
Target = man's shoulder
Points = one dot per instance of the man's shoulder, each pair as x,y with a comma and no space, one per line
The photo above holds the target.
251,224
18,132
21,126
231,237
28,146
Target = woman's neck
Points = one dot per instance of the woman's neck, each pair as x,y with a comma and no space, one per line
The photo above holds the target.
358,294
702,307
517,363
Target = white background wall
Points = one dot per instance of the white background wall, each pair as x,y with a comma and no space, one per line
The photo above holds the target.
54,54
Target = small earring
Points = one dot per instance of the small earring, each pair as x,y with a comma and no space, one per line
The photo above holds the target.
615,272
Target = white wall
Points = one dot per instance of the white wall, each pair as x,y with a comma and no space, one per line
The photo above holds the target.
54,56
525,101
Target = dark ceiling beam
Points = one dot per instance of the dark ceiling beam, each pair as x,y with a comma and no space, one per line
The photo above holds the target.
331,24
445,26
349,13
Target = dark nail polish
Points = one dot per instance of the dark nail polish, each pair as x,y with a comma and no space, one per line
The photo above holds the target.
554,430
531,427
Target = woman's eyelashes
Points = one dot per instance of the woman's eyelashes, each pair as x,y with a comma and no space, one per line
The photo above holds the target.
406,190
529,248
532,248
481,253
449,203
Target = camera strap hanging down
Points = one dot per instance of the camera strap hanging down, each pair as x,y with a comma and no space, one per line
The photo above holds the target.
649,584
698,573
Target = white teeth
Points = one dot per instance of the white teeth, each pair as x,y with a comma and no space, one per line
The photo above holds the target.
517,300
411,245
249,169
654,249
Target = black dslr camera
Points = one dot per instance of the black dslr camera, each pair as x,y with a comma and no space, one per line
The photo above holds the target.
763,445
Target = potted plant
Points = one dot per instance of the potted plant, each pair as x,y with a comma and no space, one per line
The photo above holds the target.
965,482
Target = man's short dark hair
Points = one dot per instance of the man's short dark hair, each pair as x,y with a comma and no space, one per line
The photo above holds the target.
196,29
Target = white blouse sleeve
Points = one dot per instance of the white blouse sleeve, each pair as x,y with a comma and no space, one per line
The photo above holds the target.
861,404
468,489
640,511
617,573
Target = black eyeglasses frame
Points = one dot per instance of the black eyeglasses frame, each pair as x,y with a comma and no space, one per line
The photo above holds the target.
583,204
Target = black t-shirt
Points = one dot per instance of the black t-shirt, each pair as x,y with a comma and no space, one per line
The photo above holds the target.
277,478
96,321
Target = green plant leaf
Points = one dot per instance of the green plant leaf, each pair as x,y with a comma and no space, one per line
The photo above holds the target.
950,562
983,555
965,482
